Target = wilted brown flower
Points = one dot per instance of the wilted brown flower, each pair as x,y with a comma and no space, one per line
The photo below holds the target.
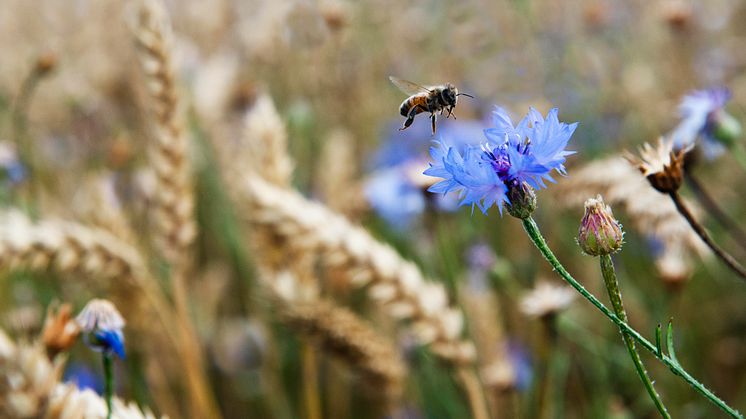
60,330
661,165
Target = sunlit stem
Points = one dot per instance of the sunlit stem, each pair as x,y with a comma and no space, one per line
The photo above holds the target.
108,382
612,286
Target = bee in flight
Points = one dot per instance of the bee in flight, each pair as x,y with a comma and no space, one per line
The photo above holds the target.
426,99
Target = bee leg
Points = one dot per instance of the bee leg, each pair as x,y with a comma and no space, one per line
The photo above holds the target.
410,119
432,120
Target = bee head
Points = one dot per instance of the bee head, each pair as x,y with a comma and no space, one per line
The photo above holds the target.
449,94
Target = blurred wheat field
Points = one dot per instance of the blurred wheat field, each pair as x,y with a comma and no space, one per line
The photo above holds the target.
232,177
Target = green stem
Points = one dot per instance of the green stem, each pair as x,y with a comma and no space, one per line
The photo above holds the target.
535,235
612,286
108,382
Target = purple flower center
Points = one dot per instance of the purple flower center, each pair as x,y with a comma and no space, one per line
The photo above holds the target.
499,159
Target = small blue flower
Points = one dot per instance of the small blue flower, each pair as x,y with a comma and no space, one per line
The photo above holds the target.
481,173
102,326
699,111
394,197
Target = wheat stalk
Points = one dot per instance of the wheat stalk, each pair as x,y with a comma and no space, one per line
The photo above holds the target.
394,282
30,387
173,204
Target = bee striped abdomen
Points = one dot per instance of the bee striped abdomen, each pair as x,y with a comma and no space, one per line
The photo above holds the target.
417,101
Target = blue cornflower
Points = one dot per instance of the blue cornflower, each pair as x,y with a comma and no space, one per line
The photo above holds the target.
508,156
701,111
102,326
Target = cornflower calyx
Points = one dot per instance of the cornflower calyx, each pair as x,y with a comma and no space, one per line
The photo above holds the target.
661,165
600,233
102,326
522,199
494,170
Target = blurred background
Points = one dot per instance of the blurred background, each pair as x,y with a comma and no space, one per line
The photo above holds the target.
75,130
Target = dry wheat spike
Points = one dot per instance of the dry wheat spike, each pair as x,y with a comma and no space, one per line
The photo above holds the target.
173,203
67,248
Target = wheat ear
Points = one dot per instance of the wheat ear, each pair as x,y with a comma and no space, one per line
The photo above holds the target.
173,204
395,283
68,248
30,387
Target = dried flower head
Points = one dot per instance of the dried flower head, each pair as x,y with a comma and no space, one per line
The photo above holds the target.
60,330
102,325
600,233
661,165
546,299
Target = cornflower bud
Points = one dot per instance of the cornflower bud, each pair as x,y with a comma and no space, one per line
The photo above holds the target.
600,233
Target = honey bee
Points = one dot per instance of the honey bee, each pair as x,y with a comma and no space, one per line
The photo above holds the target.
426,99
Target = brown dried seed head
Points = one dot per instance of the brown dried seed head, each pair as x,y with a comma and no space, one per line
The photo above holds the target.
60,330
661,165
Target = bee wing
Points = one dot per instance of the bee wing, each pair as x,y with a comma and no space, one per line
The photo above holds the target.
407,86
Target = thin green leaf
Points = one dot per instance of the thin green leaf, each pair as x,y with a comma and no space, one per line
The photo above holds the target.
669,343
658,340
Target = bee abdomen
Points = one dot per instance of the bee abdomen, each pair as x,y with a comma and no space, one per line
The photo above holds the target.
405,107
